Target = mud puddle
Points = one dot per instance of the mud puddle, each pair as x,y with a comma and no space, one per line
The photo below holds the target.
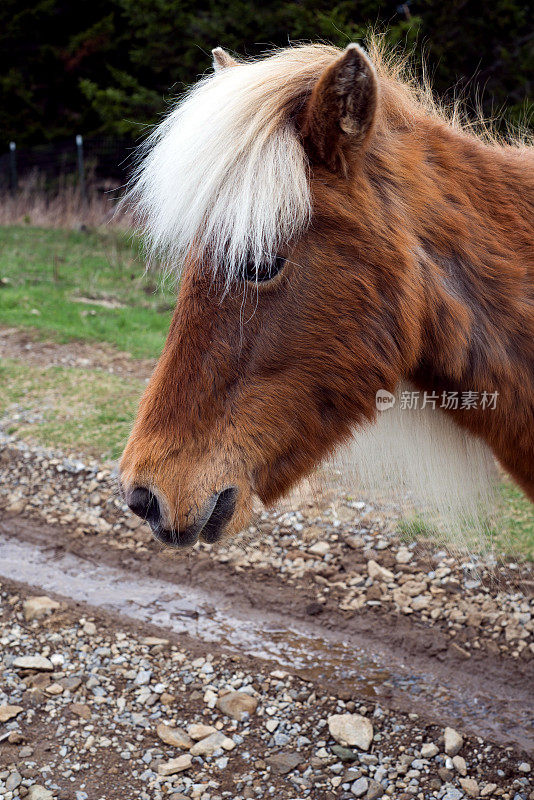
313,652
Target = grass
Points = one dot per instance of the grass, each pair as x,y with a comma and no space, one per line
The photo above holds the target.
511,530
90,286
83,411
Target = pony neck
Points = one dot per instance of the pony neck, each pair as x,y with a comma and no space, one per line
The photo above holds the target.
470,207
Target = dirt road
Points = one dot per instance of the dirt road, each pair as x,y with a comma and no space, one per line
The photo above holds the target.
89,727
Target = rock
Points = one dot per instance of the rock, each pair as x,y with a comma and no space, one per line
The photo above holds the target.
376,571
89,628
319,548
404,556
174,736
524,766
175,765
488,790
453,741
374,791
54,689
143,677
38,663
420,602
154,641
37,607
282,763
453,793
429,750
412,587
470,787
351,729
344,753
359,787
13,781
211,743
37,792
199,731
237,704
15,508
9,712
81,710
460,765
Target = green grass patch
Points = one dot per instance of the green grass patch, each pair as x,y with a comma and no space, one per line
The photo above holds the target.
82,411
89,286
510,530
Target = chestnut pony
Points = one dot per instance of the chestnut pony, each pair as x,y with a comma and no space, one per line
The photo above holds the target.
336,233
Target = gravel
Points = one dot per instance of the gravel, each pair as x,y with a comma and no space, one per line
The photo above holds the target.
103,735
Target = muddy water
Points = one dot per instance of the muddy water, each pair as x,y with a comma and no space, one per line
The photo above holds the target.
316,654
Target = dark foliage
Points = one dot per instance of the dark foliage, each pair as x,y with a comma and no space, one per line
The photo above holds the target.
112,66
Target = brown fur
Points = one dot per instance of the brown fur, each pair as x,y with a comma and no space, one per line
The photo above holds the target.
418,264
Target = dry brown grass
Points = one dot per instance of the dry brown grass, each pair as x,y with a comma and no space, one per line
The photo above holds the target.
66,207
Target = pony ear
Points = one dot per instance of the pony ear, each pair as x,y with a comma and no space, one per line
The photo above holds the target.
222,59
341,109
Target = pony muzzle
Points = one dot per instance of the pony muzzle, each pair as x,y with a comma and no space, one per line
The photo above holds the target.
209,525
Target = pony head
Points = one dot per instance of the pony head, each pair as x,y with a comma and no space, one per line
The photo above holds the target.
289,194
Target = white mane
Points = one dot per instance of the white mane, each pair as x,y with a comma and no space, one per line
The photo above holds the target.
225,170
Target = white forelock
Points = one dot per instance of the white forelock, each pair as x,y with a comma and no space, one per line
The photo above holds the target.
225,171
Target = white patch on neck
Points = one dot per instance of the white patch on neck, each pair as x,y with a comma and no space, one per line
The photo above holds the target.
422,458
225,172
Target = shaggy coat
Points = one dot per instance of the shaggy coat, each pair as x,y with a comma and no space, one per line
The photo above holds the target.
409,255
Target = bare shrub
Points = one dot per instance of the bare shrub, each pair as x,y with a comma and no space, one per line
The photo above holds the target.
64,207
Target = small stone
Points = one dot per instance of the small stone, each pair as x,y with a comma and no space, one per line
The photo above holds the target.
154,641
460,765
319,548
13,781
9,712
174,736
38,663
359,787
54,689
344,753
81,710
470,787
453,741
524,766
404,556
89,628
37,792
175,765
374,791
199,731
282,763
453,793
211,743
143,677
237,704
37,607
429,750
377,571
488,789
352,730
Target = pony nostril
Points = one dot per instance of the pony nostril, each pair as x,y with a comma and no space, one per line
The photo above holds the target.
143,503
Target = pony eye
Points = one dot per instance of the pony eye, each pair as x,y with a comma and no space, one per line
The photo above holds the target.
259,273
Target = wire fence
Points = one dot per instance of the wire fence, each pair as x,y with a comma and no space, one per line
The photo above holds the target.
75,182
102,161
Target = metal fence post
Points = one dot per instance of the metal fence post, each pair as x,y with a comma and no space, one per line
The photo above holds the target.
13,178
81,168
